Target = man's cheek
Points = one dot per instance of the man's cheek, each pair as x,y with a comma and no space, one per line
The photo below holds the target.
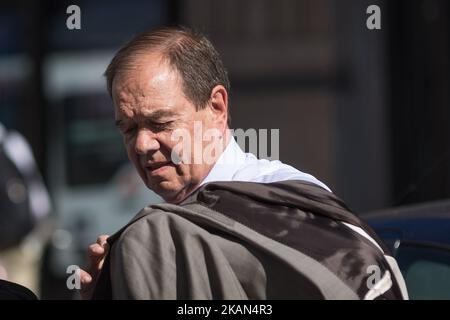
135,161
133,158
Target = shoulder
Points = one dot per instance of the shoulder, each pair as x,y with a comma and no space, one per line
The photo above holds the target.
160,228
267,171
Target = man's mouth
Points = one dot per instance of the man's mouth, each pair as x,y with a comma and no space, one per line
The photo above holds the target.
156,168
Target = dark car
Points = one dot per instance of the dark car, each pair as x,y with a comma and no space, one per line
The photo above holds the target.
419,237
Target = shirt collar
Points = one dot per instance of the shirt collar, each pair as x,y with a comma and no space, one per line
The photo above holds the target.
229,162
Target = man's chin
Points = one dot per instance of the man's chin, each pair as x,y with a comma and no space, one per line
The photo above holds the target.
167,190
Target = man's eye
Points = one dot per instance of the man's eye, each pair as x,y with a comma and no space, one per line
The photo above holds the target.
162,125
128,130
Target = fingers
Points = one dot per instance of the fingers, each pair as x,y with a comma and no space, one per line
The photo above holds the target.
96,256
86,285
85,278
97,250
101,240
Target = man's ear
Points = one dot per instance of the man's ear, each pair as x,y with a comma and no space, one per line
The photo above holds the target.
219,105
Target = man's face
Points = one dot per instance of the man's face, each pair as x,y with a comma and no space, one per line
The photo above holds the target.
149,105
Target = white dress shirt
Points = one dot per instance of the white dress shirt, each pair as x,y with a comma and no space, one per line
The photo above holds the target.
235,165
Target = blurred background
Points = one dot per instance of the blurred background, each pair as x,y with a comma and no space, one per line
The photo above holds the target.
365,111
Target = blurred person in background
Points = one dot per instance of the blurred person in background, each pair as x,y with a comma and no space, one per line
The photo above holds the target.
24,213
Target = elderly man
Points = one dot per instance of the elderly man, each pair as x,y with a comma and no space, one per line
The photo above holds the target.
233,226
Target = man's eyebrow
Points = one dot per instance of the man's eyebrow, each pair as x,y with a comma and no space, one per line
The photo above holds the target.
158,114
152,116
118,122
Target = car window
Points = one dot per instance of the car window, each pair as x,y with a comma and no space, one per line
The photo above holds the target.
426,270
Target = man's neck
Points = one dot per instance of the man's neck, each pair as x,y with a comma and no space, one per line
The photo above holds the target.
225,140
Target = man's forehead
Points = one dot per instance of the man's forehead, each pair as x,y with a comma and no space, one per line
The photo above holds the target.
135,90
159,113
124,113
144,72
152,90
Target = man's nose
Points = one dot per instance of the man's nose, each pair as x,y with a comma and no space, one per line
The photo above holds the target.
145,142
